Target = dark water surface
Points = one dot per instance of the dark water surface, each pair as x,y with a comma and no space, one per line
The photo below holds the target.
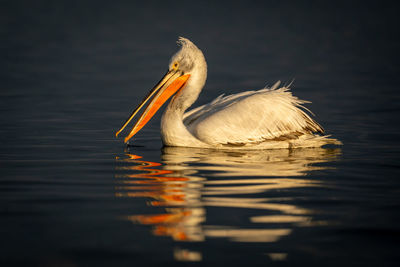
73,195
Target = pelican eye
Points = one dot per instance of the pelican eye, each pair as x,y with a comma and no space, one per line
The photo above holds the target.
175,65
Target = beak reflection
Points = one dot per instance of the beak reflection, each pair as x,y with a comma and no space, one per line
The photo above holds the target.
178,193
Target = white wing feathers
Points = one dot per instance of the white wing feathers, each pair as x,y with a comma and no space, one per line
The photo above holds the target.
251,117
219,103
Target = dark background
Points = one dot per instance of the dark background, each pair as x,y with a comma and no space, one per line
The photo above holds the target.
72,71
59,55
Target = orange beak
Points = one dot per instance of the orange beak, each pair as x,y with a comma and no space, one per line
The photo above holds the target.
171,83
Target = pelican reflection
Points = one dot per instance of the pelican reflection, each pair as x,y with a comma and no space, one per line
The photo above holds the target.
187,181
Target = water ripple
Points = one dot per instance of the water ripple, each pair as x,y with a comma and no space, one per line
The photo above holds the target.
187,182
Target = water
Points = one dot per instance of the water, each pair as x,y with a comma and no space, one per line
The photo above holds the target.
73,195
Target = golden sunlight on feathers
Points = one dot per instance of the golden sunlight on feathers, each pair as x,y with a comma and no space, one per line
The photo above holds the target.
263,119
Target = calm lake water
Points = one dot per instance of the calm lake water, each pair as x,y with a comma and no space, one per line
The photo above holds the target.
74,195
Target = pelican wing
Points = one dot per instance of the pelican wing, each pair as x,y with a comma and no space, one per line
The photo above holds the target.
251,117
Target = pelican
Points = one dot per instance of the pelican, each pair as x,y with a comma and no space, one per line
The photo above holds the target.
262,119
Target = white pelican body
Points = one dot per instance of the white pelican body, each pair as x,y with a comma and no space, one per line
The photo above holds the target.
263,119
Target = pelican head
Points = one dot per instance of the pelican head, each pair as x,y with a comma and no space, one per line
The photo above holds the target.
187,69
